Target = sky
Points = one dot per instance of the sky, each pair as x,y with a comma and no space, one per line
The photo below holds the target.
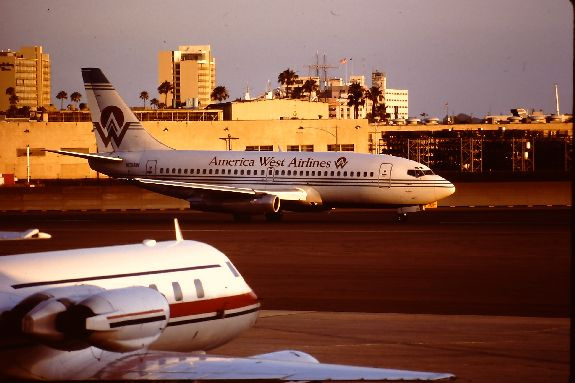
478,57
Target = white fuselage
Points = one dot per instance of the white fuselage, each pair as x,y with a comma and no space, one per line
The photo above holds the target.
209,302
341,179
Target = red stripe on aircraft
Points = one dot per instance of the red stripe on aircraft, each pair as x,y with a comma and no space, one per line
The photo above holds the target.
182,309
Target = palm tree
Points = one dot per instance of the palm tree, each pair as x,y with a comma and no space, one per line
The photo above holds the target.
62,96
165,88
154,102
76,97
220,93
373,94
355,98
309,87
13,99
287,78
144,96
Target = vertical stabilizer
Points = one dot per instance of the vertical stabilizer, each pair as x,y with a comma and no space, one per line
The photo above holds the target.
115,125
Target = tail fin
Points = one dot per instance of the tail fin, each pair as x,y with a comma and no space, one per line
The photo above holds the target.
115,125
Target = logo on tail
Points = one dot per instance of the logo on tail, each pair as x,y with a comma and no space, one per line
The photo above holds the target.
111,126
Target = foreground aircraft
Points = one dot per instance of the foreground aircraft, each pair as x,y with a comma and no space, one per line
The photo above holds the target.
247,183
146,311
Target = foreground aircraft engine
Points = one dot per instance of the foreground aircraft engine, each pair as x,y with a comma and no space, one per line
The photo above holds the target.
259,204
76,317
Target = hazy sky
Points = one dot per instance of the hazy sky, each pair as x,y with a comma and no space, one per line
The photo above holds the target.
481,56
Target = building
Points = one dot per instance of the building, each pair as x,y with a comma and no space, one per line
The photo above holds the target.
396,100
28,72
192,72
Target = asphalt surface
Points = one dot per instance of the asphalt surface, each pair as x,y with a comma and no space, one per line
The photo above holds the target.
442,261
482,293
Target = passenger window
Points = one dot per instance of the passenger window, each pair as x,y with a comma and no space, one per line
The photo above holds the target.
283,172
242,172
178,295
307,173
210,171
236,171
204,171
185,171
173,170
161,170
249,172
365,174
217,171
199,288
338,173
179,171
351,174
345,174
332,173
277,172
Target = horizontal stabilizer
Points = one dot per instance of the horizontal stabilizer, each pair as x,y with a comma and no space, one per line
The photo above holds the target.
86,156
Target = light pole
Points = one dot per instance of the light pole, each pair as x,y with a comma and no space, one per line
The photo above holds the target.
327,131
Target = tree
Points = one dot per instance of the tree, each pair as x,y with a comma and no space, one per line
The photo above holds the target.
310,86
220,93
373,94
297,93
76,97
154,102
13,99
287,78
165,88
62,96
355,97
144,96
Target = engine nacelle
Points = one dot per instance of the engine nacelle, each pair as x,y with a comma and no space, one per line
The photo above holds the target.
259,204
123,319
76,317
37,316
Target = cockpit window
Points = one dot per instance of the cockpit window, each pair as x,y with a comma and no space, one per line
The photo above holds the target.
233,269
419,172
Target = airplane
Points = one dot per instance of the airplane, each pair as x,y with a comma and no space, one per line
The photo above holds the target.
145,311
246,183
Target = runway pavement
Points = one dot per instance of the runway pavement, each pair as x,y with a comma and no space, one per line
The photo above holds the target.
482,293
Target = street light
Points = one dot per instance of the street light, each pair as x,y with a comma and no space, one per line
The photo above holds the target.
327,131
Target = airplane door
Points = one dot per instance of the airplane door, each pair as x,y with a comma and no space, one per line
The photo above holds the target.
270,174
151,167
384,177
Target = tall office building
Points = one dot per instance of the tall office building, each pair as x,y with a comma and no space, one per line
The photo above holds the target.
192,72
28,72
396,100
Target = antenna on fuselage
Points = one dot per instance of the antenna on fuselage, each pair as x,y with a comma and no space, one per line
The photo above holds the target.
179,236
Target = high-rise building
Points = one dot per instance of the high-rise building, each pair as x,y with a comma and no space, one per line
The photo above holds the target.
192,72
28,72
396,100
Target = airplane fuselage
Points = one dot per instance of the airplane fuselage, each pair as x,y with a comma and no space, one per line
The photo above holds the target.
340,179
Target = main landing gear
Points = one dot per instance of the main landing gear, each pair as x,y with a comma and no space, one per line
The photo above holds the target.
402,212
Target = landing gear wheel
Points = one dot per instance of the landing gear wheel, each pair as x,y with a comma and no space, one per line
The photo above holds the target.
274,217
402,217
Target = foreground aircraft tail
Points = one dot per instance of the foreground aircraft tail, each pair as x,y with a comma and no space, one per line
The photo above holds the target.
115,125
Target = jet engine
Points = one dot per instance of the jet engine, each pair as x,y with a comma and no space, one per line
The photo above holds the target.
259,204
76,317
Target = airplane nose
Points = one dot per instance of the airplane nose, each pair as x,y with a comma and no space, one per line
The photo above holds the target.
445,190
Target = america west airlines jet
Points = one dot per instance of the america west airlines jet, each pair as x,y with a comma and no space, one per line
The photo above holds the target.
146,311
245,183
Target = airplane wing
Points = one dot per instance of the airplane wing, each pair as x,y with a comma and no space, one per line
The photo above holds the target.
281,366
86,156
284,193
18,235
